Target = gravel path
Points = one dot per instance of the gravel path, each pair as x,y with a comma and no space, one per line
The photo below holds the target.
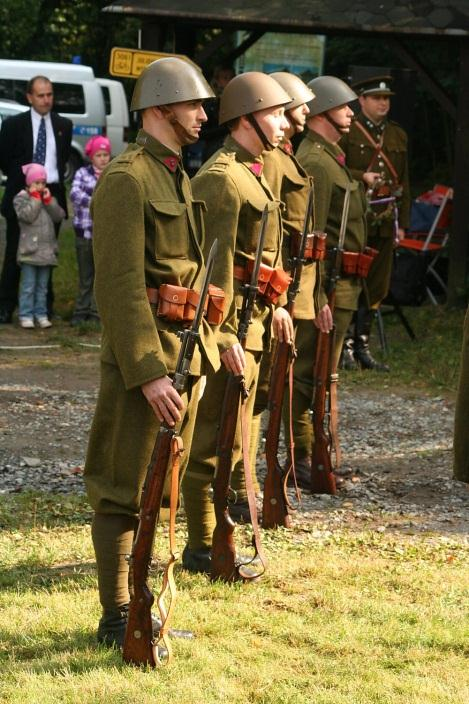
396,455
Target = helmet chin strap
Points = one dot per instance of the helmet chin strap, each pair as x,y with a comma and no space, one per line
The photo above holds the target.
339,128
182,134
268,146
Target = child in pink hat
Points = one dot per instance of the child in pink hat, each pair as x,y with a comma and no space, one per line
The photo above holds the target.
98,150
37,211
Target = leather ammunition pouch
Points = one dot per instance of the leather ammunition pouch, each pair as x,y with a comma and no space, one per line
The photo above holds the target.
215,305
315,249
177,303
358,263
272,282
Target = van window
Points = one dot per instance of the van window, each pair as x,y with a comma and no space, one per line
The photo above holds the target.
68,97
107,99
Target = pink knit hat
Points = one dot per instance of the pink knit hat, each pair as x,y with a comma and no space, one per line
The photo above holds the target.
34,172
96,144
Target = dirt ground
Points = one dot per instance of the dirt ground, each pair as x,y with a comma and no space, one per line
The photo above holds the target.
396,443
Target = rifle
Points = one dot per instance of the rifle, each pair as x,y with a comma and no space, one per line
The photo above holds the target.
325,382
140,647
224,565
275,507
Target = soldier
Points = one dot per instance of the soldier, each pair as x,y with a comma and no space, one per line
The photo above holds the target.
235,192
291,184
147,232
461,436
376,154
320,155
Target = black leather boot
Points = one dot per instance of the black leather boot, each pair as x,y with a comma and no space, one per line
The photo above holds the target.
347,358
362,348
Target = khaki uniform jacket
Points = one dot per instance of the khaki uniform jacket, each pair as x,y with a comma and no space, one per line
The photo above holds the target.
235,192
324,161
290,183
359,155
147,231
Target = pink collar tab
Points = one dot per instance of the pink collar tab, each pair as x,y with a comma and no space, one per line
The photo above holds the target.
171,162
341,159
256,168
287,148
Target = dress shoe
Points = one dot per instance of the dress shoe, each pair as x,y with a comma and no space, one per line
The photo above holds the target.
364,357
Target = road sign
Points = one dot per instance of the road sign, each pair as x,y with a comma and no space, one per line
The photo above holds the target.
130,63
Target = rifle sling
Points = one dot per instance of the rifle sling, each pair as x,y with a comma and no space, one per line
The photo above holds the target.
168,587
378,150
291,468
256,536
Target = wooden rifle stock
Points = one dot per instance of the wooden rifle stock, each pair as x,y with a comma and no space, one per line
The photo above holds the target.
139,646
322,476
223,565
275,503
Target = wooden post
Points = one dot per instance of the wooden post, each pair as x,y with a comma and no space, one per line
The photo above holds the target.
459,240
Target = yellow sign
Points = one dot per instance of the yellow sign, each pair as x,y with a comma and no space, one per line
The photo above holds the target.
130,63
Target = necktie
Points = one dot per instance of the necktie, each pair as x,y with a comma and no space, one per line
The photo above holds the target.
39,156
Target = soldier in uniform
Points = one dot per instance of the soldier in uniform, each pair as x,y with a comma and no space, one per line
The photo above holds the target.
235,192
376,154
323,159
147,232
291,184
461,434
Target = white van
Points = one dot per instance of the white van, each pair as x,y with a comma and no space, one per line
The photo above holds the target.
77,95
117,114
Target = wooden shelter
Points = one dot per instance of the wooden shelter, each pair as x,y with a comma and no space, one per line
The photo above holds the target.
391,20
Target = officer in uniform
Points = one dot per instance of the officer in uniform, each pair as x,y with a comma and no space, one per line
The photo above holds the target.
461,436
291,184
235,192
323,159
376,154
147,232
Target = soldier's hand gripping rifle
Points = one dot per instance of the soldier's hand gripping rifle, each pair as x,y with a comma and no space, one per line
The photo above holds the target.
224,565
140,647
325,380
275,508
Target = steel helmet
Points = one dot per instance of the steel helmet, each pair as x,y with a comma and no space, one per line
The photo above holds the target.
250,92
330,93
294,86
169,80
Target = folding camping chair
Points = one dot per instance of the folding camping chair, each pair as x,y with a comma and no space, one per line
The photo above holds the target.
433,242
416,258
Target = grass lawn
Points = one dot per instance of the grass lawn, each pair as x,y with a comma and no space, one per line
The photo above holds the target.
339,619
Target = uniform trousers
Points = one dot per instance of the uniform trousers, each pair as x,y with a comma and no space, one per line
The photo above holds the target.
202,464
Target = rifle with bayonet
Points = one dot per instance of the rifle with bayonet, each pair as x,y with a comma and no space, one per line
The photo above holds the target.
325,380
224,563
140,647
275,508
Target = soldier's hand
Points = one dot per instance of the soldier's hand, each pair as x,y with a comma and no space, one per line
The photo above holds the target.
283,326
234,359
323,320
164,399
369,177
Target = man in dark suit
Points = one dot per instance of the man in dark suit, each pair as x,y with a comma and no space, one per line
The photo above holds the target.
42,136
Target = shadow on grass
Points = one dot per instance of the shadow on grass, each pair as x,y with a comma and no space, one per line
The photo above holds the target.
30,510
32,575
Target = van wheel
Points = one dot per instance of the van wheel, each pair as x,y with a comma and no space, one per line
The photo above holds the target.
73,164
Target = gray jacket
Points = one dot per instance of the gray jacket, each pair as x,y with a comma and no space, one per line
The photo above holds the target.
37,243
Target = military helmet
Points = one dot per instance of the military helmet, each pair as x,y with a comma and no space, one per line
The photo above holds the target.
169,80
330,93
250,92
296,89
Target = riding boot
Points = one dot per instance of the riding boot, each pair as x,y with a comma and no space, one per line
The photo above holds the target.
362,335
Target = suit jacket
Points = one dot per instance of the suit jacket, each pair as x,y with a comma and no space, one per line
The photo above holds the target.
16,149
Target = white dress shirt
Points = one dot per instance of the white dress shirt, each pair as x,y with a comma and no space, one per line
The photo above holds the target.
51,148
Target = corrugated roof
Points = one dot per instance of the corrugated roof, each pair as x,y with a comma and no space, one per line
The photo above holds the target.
440,17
